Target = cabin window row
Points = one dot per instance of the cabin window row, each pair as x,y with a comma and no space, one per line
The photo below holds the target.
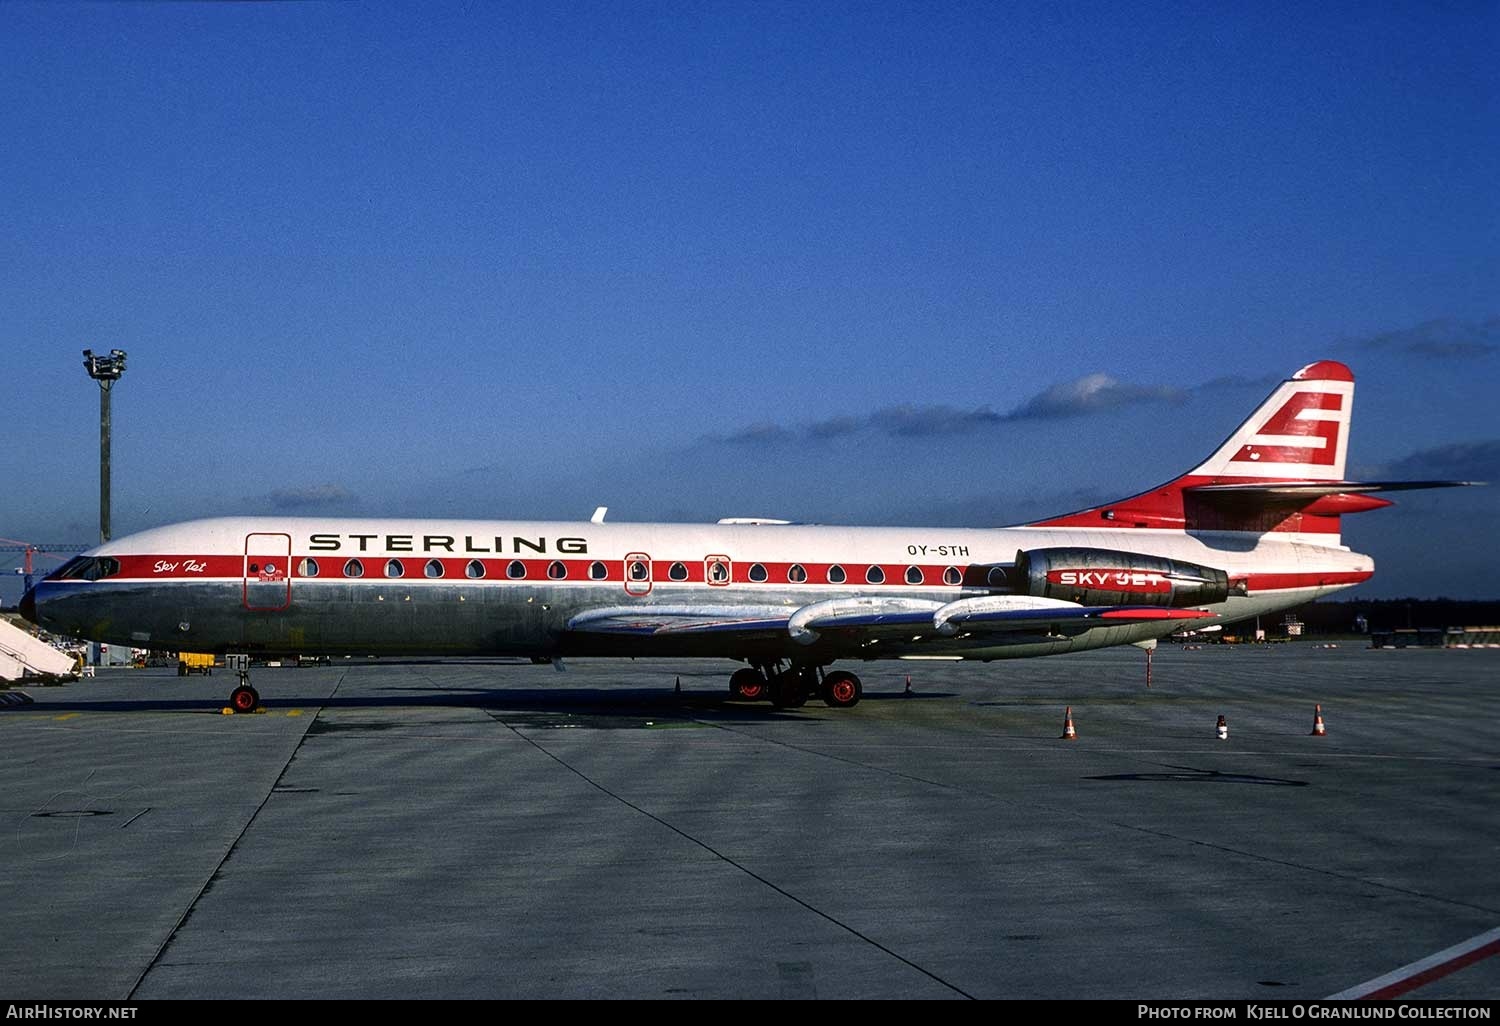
474,569
637,570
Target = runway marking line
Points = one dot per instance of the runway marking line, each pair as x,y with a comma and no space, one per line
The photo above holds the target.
65,716
1424,971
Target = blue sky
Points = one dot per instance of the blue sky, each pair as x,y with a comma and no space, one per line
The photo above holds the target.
831,262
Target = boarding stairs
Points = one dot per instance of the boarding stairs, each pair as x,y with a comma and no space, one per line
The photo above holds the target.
23,657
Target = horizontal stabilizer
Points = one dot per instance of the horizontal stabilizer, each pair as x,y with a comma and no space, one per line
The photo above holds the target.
1310,489
1265,501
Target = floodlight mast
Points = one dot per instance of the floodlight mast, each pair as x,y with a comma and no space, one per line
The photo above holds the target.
106,370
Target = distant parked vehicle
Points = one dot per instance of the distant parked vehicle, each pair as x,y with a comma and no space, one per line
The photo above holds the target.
195,662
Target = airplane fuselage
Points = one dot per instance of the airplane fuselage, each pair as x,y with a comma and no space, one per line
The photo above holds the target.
472,588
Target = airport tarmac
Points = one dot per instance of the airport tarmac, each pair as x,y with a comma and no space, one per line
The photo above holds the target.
490,829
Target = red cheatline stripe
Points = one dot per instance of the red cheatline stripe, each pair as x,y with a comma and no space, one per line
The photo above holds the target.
331,565
1424,971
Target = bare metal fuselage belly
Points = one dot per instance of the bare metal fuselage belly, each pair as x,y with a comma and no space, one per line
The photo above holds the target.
441,619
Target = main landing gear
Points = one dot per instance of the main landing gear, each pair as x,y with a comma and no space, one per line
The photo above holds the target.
791,687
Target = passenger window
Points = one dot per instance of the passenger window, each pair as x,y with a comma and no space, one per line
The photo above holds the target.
796,573
874,575
757,573
996,577
836,574
677,572
556,570
515,570
597,572
434,568
637,567
354,568
395,568
474,569
716,570
952,577
914,575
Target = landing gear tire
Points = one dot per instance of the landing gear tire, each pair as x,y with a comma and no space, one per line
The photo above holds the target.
747,685
244,699
841,690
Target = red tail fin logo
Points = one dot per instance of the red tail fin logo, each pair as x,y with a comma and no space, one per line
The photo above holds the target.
1304,430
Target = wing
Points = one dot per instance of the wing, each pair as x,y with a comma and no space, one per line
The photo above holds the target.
874,617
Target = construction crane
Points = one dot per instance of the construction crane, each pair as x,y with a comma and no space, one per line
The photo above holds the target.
31,550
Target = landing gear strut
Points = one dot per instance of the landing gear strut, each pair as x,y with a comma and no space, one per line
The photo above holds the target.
791,687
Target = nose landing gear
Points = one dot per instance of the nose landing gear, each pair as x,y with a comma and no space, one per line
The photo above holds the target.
244,698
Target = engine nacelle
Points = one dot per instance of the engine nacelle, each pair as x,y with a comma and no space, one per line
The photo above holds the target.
1104,577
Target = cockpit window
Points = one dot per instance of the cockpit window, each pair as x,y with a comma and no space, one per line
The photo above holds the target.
87,568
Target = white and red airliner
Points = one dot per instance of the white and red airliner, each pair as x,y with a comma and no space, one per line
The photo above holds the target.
1251,530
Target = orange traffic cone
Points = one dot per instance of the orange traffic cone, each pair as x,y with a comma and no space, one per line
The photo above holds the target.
1069,734
1223,728
1318,729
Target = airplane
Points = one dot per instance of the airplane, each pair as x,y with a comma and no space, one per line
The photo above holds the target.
1253,529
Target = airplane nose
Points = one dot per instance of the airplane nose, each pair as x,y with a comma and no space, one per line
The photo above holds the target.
28,606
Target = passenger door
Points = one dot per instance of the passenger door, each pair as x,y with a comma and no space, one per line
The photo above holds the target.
268,572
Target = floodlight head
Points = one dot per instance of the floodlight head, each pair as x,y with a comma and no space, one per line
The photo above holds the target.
105,368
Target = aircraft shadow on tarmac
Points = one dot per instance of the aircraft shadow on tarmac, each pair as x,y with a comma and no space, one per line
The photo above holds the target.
1192,775
625,703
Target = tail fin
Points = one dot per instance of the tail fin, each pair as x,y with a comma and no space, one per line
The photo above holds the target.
1282,470
1300,433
